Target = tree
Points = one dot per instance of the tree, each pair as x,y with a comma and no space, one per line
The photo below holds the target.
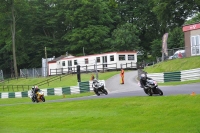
88,26
194,19
10,16
176,38
125,38
173,13
156,48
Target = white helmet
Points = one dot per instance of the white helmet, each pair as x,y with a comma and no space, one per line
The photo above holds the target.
143,76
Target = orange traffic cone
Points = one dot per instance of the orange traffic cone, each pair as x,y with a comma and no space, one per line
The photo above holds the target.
193,93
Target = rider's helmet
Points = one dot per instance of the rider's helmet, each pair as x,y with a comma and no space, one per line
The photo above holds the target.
143,76
36,88
94,80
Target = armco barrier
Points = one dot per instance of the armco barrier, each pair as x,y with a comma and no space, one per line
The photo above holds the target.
172,76
192,74
159,77
82,87
85,86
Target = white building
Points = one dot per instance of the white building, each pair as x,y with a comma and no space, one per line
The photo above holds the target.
104,61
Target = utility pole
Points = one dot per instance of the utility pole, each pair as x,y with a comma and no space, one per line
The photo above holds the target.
13,30
46,61
96,69
83,51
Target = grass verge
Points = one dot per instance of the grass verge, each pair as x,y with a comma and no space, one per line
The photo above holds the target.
179,83
175,65
174,114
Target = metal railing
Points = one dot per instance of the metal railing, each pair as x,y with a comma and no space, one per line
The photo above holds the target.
92,68
15,88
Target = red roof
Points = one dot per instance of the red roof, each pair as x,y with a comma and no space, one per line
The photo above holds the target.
191,27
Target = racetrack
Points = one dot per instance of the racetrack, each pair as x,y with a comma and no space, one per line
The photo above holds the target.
130,88
130,82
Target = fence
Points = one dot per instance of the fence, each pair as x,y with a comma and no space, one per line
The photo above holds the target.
92,68
15,87
80,88
33,72
171,52
28,87
192,74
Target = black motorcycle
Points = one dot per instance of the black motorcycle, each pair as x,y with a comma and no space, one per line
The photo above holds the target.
99,88
152,88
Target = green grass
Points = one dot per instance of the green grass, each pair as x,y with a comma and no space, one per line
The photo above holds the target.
175,65
179,83
166,114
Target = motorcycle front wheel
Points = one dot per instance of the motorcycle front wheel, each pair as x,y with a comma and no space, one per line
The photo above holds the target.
96,92
159,91
105,91
149,93
33,99
42,98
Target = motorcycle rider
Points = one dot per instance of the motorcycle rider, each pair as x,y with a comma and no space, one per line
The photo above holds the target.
35,89
95,82
143,80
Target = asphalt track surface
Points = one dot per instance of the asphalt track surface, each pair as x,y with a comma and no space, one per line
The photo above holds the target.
129,88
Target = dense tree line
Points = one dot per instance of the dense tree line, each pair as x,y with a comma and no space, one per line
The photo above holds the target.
28,26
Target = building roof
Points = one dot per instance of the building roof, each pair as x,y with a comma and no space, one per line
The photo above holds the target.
71,57
56,59
190,27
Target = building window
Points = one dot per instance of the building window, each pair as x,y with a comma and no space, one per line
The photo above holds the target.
75,62
112,58
195,45
122,57
98,59
63,63
69,65
131,57
86,61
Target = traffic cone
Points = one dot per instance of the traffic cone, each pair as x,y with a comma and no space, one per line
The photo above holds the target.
193,93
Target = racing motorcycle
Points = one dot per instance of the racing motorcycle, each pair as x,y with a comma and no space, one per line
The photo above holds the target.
40,96
152,88
99,88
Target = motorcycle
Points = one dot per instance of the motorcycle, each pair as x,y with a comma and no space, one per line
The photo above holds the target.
152,88
40,96
99,88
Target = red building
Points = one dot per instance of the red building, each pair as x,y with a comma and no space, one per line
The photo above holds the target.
192,39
